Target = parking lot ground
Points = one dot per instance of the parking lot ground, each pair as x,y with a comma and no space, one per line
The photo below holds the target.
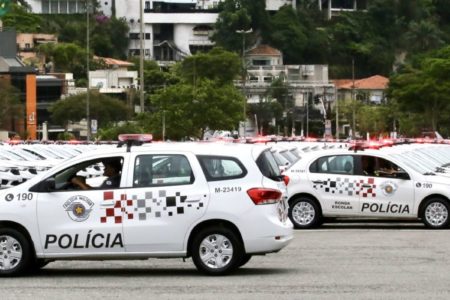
341,260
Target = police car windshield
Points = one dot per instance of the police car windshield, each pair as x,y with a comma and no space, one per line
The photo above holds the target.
12,155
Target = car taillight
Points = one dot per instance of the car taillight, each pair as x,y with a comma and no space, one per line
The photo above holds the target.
286,180
264,196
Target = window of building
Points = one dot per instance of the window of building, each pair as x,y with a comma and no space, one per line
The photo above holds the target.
147,36
134,36
72,7
45,6
260,62
54,7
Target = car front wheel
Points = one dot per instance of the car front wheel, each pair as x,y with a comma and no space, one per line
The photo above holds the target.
15,252
217,251
435,213
305,213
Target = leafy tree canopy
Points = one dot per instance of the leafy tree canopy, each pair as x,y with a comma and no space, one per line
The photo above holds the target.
103,108
10,104
425,87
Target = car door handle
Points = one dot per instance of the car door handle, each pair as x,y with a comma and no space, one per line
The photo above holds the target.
368,186
193,200
107,204
318,182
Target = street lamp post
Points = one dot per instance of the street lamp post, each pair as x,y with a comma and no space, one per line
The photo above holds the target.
141,56
244,32
88,118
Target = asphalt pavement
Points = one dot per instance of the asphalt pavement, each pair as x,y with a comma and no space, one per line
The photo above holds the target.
342,260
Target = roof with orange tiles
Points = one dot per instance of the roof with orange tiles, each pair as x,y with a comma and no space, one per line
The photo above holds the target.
376,82
264,50
114,62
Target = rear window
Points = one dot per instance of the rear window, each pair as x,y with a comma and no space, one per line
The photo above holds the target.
221,167
162,170
339,164
268,166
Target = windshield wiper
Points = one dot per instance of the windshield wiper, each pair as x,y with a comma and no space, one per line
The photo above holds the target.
428,173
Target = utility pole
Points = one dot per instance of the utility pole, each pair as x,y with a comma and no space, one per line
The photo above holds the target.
353,100
141,56
88,113
244,69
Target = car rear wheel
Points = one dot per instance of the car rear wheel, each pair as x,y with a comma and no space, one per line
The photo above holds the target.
245,259
305,213
15,252
435,213
217,251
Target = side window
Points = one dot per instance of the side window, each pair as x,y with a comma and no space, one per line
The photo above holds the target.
221,167
338,164
162,170
380,167
103,173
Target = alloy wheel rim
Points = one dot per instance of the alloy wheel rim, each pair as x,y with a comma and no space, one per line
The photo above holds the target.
436,213
10,253
216,251
303,213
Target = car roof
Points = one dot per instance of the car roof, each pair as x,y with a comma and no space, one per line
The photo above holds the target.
198,148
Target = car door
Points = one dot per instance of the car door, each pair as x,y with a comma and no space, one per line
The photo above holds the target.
77,222
383,193
334,181
168,195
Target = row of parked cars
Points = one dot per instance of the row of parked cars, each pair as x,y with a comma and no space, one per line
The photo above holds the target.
219,203
21,162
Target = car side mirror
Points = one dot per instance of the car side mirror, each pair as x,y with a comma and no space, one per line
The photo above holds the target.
46,186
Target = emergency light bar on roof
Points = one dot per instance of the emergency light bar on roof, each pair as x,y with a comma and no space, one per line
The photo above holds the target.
134,140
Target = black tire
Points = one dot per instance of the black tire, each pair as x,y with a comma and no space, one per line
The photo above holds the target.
38,264
313,219
21,244
230,240
436,213
245,259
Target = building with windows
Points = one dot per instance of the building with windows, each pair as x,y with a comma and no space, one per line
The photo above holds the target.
172,30
265,65
335,7
371,90
27,44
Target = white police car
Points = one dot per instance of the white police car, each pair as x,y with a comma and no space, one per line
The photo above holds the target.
219,204
369,183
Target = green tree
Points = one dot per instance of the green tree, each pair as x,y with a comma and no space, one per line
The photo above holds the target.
425,88
233,16
288,34
218,65
103,108
65,58
188,110
19,18
10,104
112,131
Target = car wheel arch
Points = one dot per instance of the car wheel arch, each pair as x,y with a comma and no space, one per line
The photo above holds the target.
305,195
21,228
425,200
210,223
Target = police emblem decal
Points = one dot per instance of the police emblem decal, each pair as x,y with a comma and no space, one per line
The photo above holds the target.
388,188
78,208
